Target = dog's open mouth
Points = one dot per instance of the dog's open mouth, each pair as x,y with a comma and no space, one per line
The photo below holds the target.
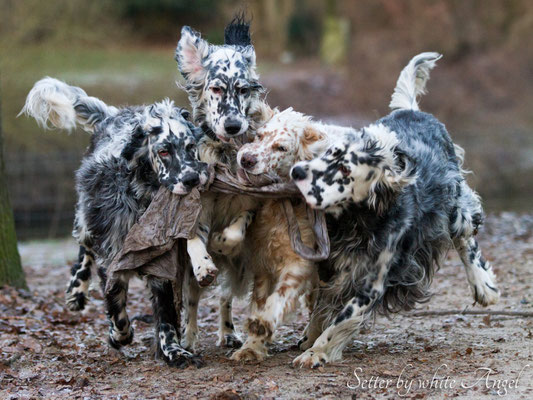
223,138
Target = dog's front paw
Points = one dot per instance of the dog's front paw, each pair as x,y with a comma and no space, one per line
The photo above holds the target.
205,272
484,290
257,353
118,339
311,359
176,356
75,301
230,340
486,294
226,242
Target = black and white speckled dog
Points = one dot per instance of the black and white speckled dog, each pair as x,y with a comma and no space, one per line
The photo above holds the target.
396,200
133,151
223,88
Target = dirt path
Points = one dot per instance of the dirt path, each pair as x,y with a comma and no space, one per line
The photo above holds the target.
48,352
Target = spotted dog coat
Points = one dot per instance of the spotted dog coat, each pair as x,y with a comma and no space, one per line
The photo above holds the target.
224,92
133,151
397,199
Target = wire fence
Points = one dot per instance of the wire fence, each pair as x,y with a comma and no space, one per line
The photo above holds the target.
42,192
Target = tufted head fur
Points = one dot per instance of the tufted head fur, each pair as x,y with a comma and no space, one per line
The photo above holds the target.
221,81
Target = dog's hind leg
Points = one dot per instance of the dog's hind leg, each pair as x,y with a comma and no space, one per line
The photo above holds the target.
78,288
262,324
330,344
313,330
465,221
478,271
166,326
120,331
192,294
227,336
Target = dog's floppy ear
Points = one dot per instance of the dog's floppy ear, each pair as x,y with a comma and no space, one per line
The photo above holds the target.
311,134
137,140
190,55
312,143
402,172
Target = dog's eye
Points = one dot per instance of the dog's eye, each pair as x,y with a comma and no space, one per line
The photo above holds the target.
163,153
281,148
216,89
345,171
244,90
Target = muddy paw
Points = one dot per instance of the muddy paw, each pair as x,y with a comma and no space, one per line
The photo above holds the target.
206,272
249,354
118,339
75,301
176,356
230,340
311,359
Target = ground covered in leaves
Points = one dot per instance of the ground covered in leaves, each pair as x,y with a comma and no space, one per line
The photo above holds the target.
48,352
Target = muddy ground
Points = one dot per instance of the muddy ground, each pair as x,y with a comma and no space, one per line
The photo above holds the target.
49,352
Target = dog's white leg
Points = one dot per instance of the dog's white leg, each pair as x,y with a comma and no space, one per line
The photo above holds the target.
261,325
203,267
478,271
330,344
227,336
464,223
261,290
192,294
78,288
233,235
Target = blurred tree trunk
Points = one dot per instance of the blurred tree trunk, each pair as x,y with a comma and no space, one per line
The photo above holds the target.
11,272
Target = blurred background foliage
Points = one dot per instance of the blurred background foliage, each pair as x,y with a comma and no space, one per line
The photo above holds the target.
335,59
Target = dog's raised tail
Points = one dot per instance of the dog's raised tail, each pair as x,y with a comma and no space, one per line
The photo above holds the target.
51,101
412,81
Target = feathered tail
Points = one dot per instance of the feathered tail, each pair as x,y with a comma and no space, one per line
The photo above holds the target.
412,81
64,106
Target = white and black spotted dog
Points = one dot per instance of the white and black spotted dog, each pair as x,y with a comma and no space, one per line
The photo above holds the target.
223,88
133,151
396,199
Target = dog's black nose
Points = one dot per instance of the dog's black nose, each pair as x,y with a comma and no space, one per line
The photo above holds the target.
191,179
298,173
232,126
248,161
